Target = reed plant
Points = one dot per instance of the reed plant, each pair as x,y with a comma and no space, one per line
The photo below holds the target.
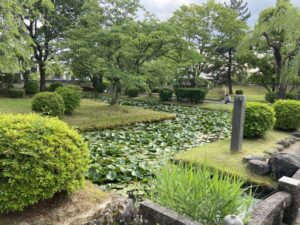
200,193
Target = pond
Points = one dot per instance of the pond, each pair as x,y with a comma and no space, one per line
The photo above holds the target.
126,157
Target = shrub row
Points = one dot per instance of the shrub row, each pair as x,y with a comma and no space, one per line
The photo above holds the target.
193,95
15,93
165,94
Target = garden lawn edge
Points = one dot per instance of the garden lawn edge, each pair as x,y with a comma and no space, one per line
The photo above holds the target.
217,156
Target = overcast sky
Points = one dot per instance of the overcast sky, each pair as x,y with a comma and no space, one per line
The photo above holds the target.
164,8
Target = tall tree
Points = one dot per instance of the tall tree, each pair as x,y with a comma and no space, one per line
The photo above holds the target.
278,32
229,31
46,22
241,7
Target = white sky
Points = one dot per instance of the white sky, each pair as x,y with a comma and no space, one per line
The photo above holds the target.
164,8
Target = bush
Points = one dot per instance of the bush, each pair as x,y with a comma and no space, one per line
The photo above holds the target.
165,94
155,90
71,96
48,104
53,86
132,92
290,96
206,196
259,118
15,93
193,95
287,114
40,156
75,88
32,87
239,92
271,97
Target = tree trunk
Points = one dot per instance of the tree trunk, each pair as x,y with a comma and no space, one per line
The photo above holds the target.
26,77
42,69
229,74
114,94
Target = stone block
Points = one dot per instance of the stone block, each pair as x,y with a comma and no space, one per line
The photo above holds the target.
153,214
259,167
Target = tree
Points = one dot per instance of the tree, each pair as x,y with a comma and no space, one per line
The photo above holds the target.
229,30
46,22
278,32
241,8
13,45
213,32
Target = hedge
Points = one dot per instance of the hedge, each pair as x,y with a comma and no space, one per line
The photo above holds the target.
193,95
15,93
165,94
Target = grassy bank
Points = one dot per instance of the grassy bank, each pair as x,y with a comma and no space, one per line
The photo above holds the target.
217,155
92,115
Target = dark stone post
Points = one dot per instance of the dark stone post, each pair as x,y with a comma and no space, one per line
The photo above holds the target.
238,120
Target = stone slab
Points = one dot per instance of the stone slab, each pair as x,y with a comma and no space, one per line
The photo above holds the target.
153,214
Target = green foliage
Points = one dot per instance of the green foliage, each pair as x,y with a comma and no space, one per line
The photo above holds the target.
287,114
271,97
76,88
290,96
193,95
49,104
239,92
165,94
71,96
206,196
128,154
101,87
259,118
15,93
32,87
132,92
53,86
40,156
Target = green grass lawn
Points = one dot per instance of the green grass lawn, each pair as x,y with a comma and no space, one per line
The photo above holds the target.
253,93
92,115
217,155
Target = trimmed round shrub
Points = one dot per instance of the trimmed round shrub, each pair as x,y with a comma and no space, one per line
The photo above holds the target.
287,114
271,97
40,156
48,104
259,118
71,97
239,92
53,86
75,88
15,93
132,92
32,87
165,94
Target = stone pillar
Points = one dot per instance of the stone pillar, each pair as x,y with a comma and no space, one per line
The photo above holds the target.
238,120
291,186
